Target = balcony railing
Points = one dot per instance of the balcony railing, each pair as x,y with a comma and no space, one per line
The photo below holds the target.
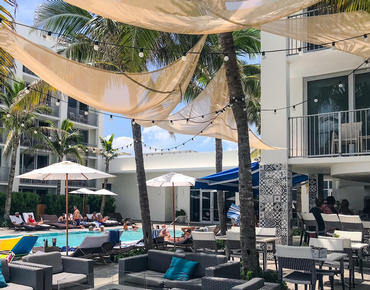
81,117
344,133
4,174
82,183
54,109
294,45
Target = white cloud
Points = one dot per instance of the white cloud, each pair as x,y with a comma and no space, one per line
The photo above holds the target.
230,146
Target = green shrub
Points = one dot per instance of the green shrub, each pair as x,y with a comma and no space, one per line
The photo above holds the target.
268,276
131,253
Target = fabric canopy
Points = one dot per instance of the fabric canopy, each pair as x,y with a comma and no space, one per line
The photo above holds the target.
124,93
171,179
201,112
228,180
194,16
105,192
326,29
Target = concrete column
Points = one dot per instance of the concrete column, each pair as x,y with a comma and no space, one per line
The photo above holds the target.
275,200
313,188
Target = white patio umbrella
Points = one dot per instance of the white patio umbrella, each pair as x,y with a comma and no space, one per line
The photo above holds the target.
65,170
84,191
105,192
172,179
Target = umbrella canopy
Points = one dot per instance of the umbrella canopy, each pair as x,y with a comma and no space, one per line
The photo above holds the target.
171,179
65,170
104,192
82,191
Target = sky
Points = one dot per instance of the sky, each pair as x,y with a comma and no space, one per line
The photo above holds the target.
153,136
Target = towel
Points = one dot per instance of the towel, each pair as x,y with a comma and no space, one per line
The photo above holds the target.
114,237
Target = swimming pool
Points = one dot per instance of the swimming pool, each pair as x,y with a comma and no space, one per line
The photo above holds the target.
75,238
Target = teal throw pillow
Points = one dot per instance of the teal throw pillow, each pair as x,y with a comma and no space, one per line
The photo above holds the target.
180,269
2,279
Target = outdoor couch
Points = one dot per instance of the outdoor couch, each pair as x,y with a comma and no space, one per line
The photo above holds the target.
148,269
227,276
61,272
21,277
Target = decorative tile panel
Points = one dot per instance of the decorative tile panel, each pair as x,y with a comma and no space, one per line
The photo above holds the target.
275,199
313,189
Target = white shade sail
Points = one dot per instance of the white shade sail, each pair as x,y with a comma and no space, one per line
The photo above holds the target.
83,191
171,179
104,192
201,112
327,29
194,16
148,96
59,171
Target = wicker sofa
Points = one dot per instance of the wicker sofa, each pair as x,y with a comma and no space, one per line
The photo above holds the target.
148,270
62,272
21,277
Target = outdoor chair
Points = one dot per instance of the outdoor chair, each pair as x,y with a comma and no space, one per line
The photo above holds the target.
18,247
52,220
21,226
233,248
270,247
227,276
204,241
117,217
98,247
300,263
310,227
61,272
331,222
40,226
148,269
350,134
334,268
351,222
234,229
21,277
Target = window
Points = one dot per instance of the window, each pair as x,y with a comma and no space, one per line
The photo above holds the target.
72,103
194,205
42,161
84,136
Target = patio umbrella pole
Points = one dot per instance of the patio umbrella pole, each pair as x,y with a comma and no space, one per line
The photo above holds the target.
173,214
67,214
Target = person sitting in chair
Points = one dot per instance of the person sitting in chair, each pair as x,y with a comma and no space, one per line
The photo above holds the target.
185,236
32,221
18,219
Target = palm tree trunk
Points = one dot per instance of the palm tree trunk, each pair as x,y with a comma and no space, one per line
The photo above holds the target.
141,181
13,163
220,193
105,186
247,215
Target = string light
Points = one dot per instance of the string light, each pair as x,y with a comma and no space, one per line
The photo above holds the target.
57,103
183,58
8,115
22,125
111,117
365,37
86,113
226,58
96,45
141,53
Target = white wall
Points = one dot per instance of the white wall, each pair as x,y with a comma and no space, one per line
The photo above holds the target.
195,164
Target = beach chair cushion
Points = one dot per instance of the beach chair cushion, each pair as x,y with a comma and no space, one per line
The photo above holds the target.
68,280
13,286
180,269
53,259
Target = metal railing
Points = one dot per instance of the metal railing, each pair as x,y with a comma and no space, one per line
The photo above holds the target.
344,133
294,45
82,183
52,104
80,116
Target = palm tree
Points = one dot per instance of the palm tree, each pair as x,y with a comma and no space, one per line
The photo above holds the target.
21,103
6,61
109,153
63,142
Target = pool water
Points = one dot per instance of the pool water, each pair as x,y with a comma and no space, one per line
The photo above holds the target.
75,238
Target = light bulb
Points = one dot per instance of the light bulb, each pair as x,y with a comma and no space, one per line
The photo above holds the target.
226,58
49,137
141,53
35,132
22,125
111,117
183,58
96,46
8,115
86,113
57,103
315,100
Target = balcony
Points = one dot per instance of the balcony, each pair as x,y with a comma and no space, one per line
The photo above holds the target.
54,109
28,141
82,183
34,181
80,116
4,174
294,45
344,133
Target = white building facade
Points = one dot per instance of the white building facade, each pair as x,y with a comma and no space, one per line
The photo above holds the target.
324,132
199,205
87,120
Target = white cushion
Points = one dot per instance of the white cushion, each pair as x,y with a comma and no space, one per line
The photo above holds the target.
233,236
352,219
353,236
203,236
307,216
13,286
330,217
294,252
270,232
330,243
68,280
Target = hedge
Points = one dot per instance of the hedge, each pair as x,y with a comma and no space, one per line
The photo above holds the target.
55,204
